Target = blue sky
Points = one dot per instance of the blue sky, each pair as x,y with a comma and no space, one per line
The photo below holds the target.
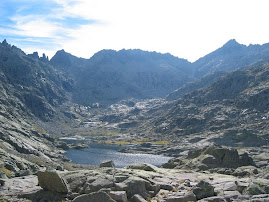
21,23
185,28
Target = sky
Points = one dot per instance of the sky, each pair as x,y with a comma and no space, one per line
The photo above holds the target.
187,29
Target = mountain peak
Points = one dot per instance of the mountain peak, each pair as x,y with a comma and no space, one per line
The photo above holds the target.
4,42
232,44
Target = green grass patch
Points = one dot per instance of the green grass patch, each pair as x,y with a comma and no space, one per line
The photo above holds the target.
96,133
115,142
161,142
241,148
6,171
39,130
144,140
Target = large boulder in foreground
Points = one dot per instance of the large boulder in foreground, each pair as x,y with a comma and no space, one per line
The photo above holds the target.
52,181
203,190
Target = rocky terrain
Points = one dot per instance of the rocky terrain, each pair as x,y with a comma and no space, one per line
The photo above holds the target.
211,116
145,182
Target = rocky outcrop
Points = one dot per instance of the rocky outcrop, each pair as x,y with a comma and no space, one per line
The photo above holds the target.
52,181
142,166
214,158
119,196
219,157
203,190
109,164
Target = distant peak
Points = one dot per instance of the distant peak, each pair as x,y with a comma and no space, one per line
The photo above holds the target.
232,43
61,51
4,42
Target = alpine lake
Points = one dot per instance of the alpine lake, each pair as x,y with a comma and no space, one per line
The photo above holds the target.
98,153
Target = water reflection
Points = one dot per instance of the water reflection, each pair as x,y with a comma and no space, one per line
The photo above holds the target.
99,153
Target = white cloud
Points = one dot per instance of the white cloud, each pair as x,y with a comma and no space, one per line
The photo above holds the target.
185,28
38,28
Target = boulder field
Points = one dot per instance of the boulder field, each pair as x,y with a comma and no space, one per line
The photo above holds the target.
145,182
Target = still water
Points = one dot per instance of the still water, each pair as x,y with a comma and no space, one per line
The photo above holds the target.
98,153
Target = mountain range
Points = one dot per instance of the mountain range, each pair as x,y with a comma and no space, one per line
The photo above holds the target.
132,96
110,76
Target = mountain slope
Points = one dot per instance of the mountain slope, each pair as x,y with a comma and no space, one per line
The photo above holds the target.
36,86
30,90
110,76
196,84
230,56
236,105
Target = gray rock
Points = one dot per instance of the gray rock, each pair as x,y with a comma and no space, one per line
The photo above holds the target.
136,186
2,164
120,178
166,187
3,175
21,165
22,173
60,168
218,157
137,198
153,187
260,198
170,164
230,186
99,183
241,186
109,164
121,186
52,181
253,189
75,181
73,195
142,166
203,190
42,195
119,196
232,194
11,166
94,197
214,199
188,197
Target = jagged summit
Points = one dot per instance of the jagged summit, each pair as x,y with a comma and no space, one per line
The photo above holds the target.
35,55
4,42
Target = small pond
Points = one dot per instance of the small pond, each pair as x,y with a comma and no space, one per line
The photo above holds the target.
98,153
